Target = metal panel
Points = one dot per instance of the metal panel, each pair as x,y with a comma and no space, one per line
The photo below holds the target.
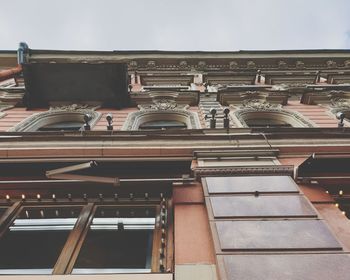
275,235
288,267
250,184
261,206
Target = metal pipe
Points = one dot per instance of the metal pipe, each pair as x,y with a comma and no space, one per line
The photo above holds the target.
10,73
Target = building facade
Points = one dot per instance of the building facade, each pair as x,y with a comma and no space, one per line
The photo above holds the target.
174,165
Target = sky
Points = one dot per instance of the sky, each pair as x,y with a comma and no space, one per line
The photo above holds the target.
192,25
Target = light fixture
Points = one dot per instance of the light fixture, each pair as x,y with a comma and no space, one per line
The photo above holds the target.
87,119
109,119
340,116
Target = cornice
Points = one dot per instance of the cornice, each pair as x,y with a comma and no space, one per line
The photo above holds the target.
287,170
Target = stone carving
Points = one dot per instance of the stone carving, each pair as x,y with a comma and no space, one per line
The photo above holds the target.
340,104
183,64
133,64
202,64
282,64
151,64
331,64
233,65
260,105
251,64
347,63
163,104
280,87
299,64
73,108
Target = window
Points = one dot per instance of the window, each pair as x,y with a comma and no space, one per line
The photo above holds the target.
67,118
277,118
91,238
162,119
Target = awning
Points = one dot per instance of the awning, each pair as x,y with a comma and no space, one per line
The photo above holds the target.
325,167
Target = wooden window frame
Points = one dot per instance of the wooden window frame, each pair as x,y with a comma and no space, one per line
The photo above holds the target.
162,246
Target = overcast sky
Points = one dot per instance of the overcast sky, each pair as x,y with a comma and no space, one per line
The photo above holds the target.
175,25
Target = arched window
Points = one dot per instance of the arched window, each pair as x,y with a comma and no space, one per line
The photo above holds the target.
277,118
158,119
57,120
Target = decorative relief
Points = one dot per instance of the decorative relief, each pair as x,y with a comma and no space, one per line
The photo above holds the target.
331,64
202,64
73,108
261,105
183,64
247,171
151,64
251,64
299,64
347,63
282,64
160,104
340,102
133,64
233,65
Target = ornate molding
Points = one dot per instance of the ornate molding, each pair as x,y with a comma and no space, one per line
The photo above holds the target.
73,108
259,105
292,117
135,119
55,114
246,171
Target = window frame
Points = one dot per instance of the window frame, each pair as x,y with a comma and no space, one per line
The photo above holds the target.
34,122
161,252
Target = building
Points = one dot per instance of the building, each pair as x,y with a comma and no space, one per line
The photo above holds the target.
174,165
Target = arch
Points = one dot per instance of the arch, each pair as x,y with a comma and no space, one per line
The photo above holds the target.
278,117
136,119
51,117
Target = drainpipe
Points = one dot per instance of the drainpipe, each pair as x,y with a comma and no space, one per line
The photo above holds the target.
22,53
21,59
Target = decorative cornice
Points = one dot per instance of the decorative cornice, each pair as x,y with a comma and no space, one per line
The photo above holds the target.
73,108
244,170
259,105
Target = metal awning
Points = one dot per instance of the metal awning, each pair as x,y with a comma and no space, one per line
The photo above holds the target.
325,167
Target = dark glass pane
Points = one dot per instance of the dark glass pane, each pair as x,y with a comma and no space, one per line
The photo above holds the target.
2,211
31,249
115,249
72,126
35,239
119,240
163,124
267,123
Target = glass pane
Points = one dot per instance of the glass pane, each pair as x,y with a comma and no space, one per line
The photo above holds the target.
162,124
72,126
35,239
267,123
119,241
2,210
